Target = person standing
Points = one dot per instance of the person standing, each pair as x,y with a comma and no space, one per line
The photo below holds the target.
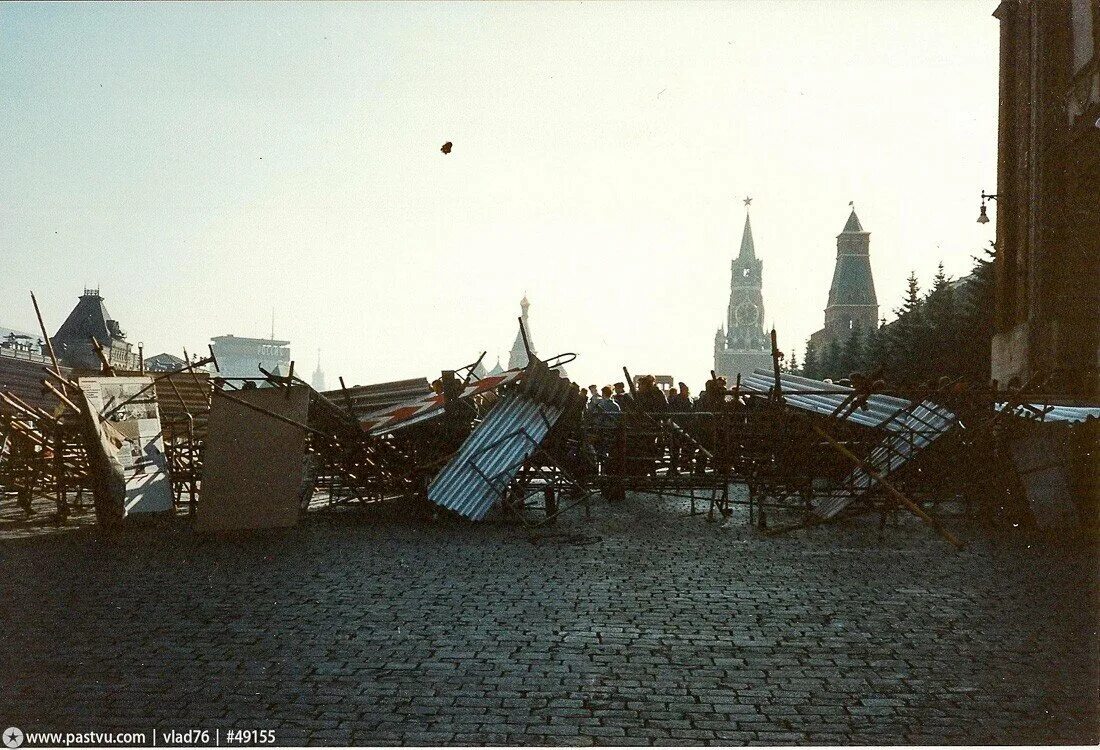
604,412
679,401
649,396
651,444
679,407
622,398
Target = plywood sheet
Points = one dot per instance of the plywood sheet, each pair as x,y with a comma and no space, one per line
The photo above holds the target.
252,467
1040,458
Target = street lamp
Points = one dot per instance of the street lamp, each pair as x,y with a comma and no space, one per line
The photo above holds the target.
983,217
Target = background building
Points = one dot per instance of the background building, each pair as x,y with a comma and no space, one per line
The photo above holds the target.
19,341
852,301
89,319
318,380
743,346
242,357
164,362
1048,195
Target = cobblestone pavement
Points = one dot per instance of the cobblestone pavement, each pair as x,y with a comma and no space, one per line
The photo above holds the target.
641,626
17,524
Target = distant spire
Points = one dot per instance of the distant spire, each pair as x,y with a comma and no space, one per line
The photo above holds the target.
517,358
748,249
318,379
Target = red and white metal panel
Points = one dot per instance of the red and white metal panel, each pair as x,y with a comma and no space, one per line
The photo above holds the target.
428,406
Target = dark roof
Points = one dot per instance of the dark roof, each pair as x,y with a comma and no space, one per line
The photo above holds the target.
166,357
852,281
853,224
164,362
748,249
89,318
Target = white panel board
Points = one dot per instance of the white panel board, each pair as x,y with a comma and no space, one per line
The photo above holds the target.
142,453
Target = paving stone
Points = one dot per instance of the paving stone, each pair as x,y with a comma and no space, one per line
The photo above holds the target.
663,630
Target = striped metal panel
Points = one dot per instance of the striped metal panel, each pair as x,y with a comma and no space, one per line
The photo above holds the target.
1053,412
880,412
22,374
428,406
922,425
492,455
194,398
368,398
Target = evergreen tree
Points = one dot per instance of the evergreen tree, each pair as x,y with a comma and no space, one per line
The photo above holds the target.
948,333
830,362
793,367
875,350
941,298
810,367
941,316
906,338
851,355
974,314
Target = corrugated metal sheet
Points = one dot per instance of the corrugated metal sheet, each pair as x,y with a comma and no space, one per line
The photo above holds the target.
194,391
1054,412
880,411
490,458
921,425
22,374
369,398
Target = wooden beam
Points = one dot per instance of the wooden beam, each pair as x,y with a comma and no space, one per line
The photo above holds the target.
894,491
45,336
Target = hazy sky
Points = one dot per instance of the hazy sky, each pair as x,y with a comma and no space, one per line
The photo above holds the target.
203,164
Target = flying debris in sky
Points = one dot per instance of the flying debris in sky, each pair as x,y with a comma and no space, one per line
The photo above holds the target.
446,147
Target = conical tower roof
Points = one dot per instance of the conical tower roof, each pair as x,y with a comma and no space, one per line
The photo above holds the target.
748,249
853,283
852,225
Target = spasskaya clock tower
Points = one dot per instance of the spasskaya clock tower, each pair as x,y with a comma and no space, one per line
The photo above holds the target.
743,346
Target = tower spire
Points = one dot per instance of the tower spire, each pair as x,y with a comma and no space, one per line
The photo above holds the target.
318,379
742,346
517,358
748,248
852,225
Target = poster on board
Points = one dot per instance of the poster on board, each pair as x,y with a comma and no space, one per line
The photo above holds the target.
148,489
